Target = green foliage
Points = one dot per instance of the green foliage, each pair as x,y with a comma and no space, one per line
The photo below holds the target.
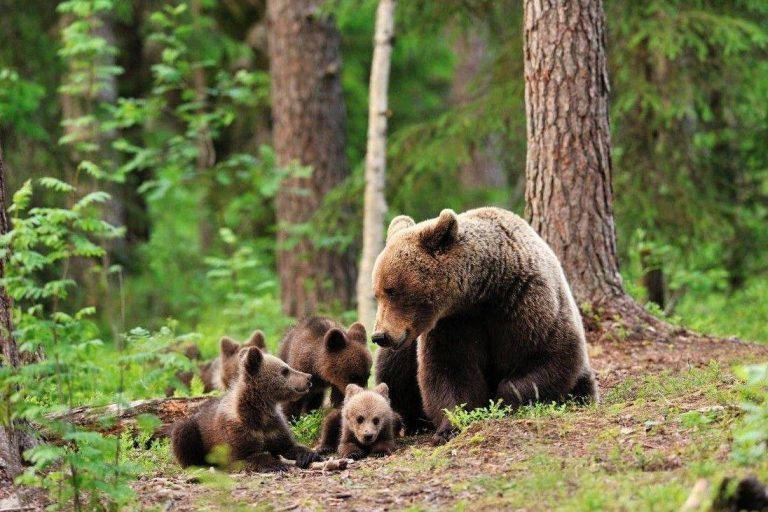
192,104
750,437
87,471
19,98
739,313
168,120
462,419
307,427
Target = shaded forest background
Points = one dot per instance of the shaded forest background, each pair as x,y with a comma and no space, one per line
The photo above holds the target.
180,170
174,108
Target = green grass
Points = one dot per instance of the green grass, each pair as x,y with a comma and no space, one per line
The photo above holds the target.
614,474
742,314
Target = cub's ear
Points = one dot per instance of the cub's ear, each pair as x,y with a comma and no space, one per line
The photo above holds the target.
228,346
443,233
252,360
335,340
352,390
357,332
398,223
382,389
256,340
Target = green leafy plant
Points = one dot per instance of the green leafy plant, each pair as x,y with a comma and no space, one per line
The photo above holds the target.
461,418
750,436
307,427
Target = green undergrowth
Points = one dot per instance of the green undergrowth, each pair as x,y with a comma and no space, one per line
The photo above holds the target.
741,313
307,427
653,438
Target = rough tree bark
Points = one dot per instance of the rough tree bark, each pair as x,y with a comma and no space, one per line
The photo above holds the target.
375,207
309,128
11,440
568,166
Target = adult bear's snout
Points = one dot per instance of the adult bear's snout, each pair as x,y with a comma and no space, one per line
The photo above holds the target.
381,339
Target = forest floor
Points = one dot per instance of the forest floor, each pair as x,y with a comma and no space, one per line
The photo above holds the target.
664,422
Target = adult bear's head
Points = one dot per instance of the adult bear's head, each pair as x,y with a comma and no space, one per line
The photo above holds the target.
414,277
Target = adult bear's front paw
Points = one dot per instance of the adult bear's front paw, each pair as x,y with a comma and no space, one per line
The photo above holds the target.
444,434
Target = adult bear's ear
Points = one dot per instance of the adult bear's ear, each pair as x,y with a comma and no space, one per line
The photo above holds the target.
443,233
252,360
335,340
228,346
399,223
256,340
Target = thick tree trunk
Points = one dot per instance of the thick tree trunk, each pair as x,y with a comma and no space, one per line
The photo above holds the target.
375,207
309,129
11,443
483,169
568,166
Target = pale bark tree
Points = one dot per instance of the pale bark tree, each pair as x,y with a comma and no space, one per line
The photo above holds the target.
375,206
568,167
309,129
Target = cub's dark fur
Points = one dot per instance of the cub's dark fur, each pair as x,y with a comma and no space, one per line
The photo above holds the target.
335,357
398,369
246,421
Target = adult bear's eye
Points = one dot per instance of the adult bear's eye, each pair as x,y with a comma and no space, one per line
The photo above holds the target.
389,292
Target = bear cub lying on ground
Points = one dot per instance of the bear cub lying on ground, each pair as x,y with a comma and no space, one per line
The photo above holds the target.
368,423
246,421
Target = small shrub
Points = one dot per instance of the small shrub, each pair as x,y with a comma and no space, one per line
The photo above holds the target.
307,427
750,437
462,419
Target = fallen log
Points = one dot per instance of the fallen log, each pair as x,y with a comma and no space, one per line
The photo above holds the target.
114,419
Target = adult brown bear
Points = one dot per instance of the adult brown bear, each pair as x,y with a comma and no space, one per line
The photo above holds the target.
491,308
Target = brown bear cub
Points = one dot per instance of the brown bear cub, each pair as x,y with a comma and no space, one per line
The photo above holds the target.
335,357
246,421
221,373
368,423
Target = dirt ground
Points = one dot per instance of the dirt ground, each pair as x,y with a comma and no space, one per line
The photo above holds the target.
463,473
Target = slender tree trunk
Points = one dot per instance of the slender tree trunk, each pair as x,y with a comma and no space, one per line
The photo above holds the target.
568,167
309,129
10,438
483,169
375,207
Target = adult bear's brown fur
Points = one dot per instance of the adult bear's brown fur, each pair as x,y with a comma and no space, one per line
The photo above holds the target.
493,312
246,421
334,357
